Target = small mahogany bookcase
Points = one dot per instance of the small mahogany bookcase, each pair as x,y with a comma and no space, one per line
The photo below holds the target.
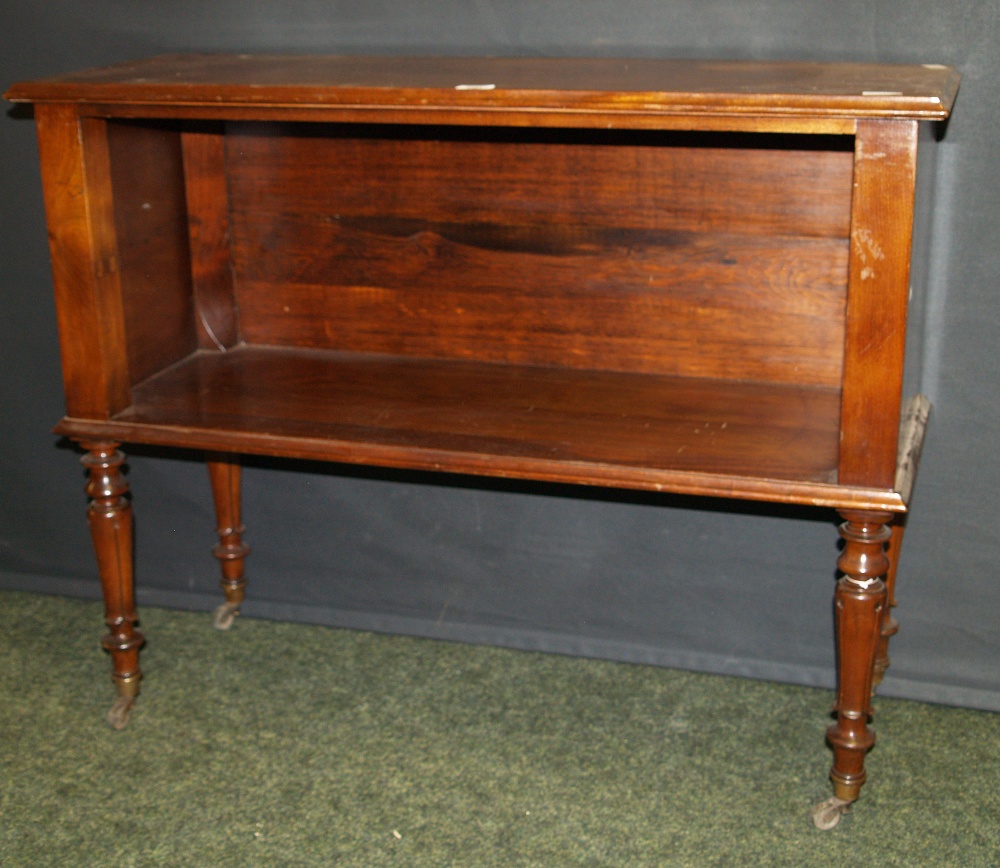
687,277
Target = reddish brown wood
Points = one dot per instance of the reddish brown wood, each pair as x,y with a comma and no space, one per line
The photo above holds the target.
877,295
860,602
673,182
576,418
78,204
641,307
224,473
208,221
151,227
110,518
430,85
647,254
689,482
506,118
652,274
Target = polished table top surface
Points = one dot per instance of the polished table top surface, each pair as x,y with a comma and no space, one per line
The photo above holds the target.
607,84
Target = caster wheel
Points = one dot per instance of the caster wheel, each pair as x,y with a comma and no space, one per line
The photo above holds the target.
118,714
225,615
827,814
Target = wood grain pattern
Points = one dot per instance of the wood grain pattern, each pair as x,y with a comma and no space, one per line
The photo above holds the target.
150,220
606,86
694,313
878,291
225,475
476,117
859,603
207,199
79,211
685,482
504,411
109,515
640,306
612,253
779,185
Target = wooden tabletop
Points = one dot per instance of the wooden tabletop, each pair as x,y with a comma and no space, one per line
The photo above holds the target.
648,86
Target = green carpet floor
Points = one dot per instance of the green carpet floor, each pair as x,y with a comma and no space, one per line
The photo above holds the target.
279,744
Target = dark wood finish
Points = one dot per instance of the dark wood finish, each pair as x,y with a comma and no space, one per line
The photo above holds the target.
78,206
773,185
645,253
109,515
881,227
542,87
694,482
225,474
208,218
151,227
860,601
668,275
501,411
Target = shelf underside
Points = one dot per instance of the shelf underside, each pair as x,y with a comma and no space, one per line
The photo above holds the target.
698,436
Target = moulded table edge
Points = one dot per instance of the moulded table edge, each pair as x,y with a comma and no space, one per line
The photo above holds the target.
685,482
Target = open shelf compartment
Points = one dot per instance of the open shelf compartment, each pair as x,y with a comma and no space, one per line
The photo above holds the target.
596,427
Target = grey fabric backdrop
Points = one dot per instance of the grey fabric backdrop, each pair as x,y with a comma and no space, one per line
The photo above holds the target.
720,587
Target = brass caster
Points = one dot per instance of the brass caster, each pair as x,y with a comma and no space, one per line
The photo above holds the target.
224,615
827,814
119,712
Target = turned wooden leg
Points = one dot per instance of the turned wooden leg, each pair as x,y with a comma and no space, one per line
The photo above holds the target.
890,627
860,602
109,515
224,472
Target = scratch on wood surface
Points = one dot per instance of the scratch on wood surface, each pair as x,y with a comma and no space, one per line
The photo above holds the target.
868,251
874,155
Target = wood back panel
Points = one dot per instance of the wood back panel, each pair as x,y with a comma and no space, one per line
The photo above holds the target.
683,254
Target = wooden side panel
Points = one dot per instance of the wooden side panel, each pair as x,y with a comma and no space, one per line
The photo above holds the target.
151,223
659,253
85,268
208,223
881,233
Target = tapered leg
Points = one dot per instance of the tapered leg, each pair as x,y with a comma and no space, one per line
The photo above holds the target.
860,602
224,472
109,515
890,627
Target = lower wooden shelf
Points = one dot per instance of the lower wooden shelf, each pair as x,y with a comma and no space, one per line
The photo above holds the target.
679,434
